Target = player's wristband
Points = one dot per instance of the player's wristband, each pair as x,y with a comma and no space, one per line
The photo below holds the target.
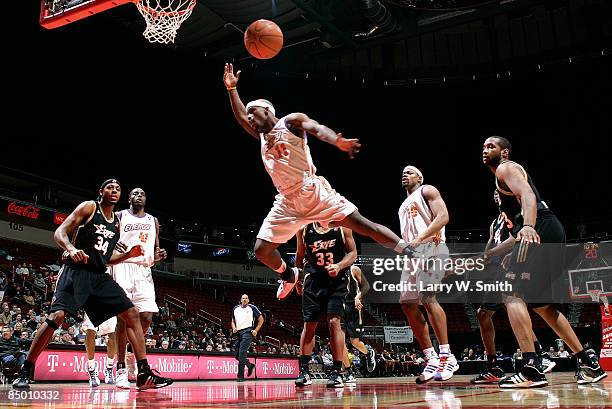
230,88
529,225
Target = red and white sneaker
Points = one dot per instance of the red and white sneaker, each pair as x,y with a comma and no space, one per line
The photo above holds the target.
447,368
285,287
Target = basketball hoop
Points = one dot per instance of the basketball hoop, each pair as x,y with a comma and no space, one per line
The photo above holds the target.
164,18
595,295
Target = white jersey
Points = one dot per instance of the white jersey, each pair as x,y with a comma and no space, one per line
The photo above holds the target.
286,158
139,230
415,216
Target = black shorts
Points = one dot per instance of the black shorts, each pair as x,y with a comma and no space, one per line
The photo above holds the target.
350,320
492,274
535,270
323,294
97,293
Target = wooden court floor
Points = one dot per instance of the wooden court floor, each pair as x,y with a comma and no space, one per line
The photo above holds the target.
457,393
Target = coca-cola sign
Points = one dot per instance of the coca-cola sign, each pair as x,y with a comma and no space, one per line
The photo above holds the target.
28,211
58,218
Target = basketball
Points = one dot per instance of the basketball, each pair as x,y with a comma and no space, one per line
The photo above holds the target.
263,39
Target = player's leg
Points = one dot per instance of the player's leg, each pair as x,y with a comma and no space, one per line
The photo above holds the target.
111,351
109,300
589,365
529,376
311,311
40,342
437,317
420,329
337,344
492,373
267,252
90,348
64,302
381,234
122,380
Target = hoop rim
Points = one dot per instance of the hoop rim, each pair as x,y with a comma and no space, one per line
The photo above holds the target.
153,12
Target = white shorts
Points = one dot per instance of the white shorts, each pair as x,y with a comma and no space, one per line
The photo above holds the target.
137,282
107,327
427,271
316,201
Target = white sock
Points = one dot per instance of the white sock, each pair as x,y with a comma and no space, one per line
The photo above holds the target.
430,353
91,364
110,362
445,349
282,267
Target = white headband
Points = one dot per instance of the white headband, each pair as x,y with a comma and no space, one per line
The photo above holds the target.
415,170
261,103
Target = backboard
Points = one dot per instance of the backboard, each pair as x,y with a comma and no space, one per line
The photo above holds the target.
585,280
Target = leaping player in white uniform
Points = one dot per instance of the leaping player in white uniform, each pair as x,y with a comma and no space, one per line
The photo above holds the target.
423,217
303,197
134,274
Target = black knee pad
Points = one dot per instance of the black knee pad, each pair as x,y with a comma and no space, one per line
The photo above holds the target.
51,323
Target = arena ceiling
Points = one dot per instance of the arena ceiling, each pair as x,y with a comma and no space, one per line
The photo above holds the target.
396,38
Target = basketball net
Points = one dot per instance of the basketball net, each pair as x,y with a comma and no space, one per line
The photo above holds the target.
597,297
164,18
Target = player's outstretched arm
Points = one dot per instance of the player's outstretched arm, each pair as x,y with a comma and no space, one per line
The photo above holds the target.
303,122
230,80
78,217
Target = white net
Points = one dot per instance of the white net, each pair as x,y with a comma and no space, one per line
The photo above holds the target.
164,18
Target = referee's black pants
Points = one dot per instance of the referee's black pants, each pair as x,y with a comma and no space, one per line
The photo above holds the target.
243,342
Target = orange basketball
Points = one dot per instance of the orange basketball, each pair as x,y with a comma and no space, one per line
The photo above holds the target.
263,39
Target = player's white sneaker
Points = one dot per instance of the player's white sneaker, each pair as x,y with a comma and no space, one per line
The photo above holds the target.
447,368
285,287
430,370
122,381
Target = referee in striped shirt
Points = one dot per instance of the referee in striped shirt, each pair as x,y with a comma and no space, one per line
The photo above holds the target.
243,320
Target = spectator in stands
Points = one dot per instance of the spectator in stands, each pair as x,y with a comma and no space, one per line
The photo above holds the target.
209,348
9,290
56,339
165,344
19,269
11,349
151,343
6,317
182,346
25,337
552,353
17,318
219,348
32,323
32,270
563,353
66,338
28,298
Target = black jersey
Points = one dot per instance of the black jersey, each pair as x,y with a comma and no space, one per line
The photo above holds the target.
323,247
511,206
500,230
97,238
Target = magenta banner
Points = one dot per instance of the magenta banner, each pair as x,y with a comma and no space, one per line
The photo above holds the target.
220,367
277,368
72,366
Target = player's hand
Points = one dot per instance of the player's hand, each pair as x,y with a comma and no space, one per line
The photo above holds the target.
528,234
332,269
506,261
136,251
78,256
121,247
254,332
234,330
299,288
358,303
160,254
229,79
350,146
